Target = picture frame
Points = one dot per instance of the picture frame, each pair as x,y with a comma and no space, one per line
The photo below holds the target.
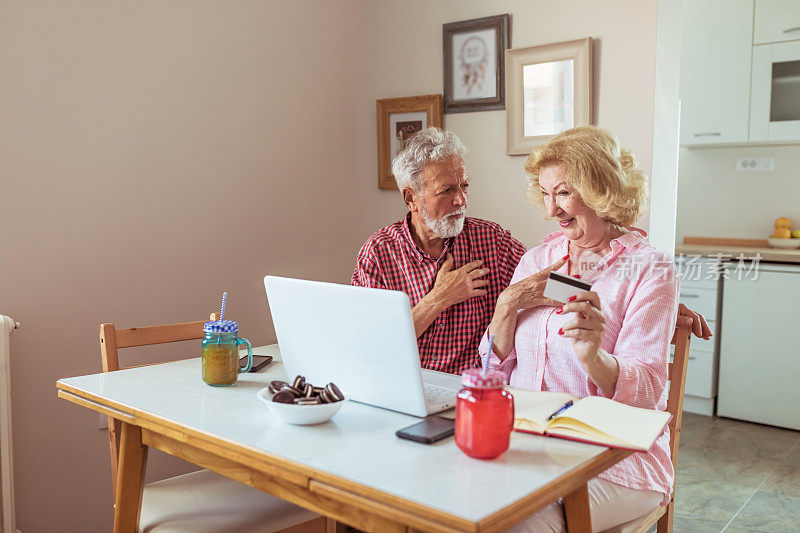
474,64
398,119
548,90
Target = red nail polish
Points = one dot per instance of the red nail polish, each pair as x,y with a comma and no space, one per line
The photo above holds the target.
560,331
559,310
577,276
571,298
565,257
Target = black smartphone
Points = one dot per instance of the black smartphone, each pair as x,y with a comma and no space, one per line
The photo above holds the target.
429,430
259,362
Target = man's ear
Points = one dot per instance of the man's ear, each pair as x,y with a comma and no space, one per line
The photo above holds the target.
411,199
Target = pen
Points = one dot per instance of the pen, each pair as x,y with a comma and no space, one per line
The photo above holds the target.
563,408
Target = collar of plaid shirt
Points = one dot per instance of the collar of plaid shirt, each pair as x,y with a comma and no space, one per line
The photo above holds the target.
391,260
422,256
450,344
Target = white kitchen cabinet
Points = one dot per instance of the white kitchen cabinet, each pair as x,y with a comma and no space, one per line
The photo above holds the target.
700,381
704,301
699,285
776,21
775,85
717,41
775,96
759,373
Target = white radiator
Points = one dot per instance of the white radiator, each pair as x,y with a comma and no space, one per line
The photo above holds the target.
7,327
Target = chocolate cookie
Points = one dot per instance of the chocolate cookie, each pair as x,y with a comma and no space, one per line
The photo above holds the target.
283,396
295,392
334,392
306,401
299,383
325,397
275,386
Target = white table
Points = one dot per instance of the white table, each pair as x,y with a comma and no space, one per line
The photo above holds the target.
352,468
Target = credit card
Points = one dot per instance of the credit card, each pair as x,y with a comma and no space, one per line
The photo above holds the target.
560,287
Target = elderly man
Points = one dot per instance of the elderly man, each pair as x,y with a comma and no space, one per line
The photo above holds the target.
453,267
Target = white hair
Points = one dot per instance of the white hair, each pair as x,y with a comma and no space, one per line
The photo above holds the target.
447,226
426,146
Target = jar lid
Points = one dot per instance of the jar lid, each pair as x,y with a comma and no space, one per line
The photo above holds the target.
221,326
476,379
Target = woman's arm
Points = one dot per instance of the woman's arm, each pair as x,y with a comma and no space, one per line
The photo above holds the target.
586,328
642,347
636,372
502,327
516,297
641,350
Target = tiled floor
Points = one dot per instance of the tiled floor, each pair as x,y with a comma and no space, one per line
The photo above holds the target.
737,477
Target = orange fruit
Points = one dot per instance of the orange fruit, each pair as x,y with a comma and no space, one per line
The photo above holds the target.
783,222
782,233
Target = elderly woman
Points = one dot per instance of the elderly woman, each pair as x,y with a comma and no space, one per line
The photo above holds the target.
612,341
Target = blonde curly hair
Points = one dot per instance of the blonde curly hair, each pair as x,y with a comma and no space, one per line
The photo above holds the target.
606,177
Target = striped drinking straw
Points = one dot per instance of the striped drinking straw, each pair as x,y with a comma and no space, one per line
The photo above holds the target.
222,313
488,354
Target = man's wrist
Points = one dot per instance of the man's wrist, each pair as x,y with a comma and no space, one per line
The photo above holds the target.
436,302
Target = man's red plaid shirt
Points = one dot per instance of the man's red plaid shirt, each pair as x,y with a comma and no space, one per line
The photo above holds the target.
391,260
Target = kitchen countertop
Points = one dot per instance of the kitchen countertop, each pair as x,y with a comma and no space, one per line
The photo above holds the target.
732,252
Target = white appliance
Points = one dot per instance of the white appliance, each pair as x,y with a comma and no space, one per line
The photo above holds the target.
361,339
759,372
775,102
775,91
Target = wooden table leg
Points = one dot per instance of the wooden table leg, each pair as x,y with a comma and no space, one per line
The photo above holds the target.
576,511
130,479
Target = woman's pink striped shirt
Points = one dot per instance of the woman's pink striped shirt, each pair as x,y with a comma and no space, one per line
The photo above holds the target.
638,292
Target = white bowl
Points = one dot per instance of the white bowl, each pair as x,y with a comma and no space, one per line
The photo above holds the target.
784,243
301,415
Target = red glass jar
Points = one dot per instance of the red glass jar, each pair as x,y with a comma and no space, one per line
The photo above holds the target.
484,414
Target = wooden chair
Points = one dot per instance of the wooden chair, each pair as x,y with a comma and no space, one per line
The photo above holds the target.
202,501
662,515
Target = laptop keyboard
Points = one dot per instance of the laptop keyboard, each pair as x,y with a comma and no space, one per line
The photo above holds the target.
436,395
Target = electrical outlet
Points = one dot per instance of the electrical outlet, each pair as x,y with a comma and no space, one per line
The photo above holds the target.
755,164
102,421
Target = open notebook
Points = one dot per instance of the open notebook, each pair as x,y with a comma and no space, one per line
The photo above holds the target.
592,419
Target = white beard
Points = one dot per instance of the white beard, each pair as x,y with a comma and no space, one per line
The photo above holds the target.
447,226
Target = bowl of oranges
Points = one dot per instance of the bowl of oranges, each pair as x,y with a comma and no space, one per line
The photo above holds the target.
783,236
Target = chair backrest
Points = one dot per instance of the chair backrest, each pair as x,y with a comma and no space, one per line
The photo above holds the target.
112,339
677,382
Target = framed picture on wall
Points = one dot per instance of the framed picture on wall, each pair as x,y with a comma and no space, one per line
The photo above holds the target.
474,64
548,90
398,120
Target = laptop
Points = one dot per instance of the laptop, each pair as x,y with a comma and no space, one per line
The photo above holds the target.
361,339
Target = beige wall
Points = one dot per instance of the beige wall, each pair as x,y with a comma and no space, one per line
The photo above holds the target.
400,54
716,200
153,155
157,153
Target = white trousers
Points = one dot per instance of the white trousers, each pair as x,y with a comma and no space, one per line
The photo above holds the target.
610,505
